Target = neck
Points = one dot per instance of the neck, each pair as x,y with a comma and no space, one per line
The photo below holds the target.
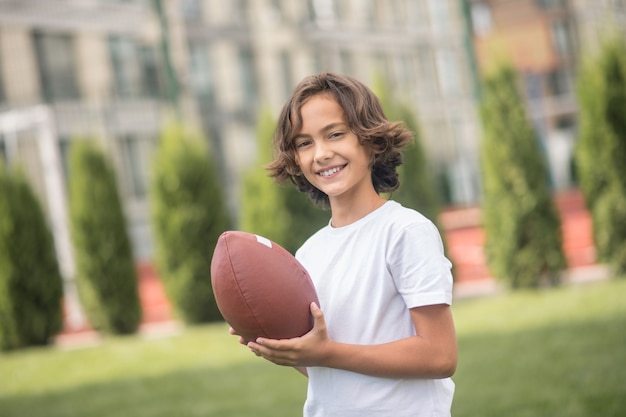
345,213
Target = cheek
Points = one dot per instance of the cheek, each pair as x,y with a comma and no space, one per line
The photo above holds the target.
302,158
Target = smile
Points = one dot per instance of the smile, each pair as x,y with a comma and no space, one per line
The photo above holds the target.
331,171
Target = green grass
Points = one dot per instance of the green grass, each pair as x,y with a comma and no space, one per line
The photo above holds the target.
558,352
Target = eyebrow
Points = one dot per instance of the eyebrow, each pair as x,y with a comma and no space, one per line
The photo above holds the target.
325,129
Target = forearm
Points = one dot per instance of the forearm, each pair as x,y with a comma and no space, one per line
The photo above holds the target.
413,357
430,354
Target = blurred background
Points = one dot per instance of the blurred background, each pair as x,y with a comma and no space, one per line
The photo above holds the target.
119,70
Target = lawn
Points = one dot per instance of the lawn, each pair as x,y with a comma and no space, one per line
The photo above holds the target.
557,352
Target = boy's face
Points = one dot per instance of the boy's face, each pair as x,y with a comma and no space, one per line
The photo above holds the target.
329,153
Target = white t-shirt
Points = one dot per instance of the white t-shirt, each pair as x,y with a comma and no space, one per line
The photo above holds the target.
368,275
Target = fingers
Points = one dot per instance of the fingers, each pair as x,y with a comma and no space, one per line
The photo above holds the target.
296,351
234,333
276,351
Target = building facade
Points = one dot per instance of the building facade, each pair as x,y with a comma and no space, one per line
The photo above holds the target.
252,53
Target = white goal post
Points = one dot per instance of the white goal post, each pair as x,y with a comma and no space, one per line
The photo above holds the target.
40,120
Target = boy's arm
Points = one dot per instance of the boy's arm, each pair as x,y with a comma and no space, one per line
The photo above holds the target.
432,353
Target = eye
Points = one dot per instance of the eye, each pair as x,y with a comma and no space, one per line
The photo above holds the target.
303,143
335,135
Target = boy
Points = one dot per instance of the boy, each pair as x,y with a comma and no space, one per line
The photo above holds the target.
385,343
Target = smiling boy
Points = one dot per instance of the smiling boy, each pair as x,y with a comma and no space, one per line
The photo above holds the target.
383,342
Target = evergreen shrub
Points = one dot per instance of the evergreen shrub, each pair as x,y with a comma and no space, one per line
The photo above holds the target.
522,226
105,268
417,188
188,216
31,288
601,149
263,208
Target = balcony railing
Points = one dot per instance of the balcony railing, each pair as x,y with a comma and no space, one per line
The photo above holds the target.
77,15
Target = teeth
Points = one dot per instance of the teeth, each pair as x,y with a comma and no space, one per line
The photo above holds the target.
330,172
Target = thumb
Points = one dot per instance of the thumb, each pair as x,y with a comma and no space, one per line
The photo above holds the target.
316,312
319,322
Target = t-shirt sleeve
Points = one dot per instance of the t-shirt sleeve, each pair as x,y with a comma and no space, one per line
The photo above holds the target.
419,267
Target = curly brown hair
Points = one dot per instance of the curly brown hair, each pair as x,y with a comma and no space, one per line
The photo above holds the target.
365,118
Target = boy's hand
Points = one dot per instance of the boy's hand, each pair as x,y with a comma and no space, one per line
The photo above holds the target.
241,339
307,350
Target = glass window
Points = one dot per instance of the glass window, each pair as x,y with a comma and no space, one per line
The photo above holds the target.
247,71
426,74
369,11
277,11
65,144
323,12
560,38
533,85
345,62
404,71
57,66
2,92
201,71
416,15
449,80
192,10
549,4
481,19
383,65
287,75
560,81
150,74
135,153
321,59
396,12
237,10
439,16
3,151
124,56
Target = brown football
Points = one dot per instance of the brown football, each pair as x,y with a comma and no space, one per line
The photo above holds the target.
260,288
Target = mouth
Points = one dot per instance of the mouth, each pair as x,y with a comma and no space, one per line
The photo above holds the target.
331,171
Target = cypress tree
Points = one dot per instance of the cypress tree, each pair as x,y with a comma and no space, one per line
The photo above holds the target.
522,226
417,189
105,267
262,201
31,289
601,149
188,216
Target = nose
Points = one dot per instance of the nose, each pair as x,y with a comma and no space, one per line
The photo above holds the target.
323,152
